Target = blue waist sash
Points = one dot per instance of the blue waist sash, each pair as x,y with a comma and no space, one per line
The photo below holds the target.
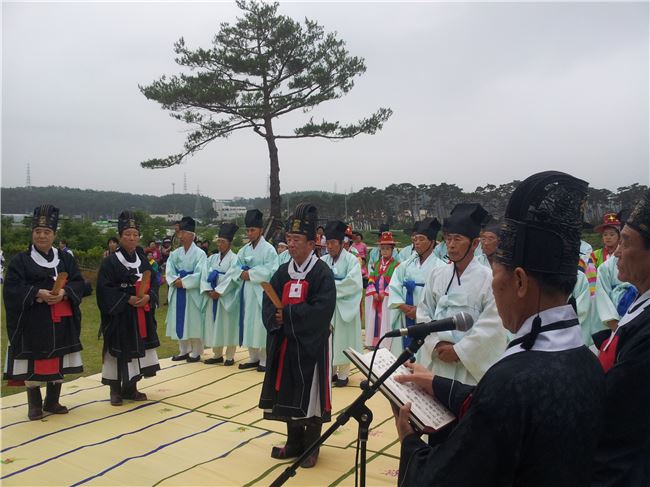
181,301
410,286
213,278
241,308
626,300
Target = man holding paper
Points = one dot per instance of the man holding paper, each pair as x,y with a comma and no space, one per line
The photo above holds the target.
297,384
127,296
42,294
535,416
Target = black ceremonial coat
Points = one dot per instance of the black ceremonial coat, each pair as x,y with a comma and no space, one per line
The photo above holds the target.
623,455
32,333
533,420
119,320
307,330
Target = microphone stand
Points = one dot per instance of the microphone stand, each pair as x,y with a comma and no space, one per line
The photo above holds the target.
360,412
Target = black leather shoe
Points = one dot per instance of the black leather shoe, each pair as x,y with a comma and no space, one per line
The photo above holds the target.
261,368
178,358
341,382
193,359
335,378
212,361
229,362
249,365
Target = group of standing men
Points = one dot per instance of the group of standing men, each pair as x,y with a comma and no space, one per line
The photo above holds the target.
527,392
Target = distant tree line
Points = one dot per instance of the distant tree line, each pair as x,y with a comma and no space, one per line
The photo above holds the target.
88,203
399,205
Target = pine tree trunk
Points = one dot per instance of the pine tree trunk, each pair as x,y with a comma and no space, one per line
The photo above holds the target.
274,180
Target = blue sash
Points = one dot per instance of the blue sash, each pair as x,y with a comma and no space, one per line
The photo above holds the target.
628,298
213,278
410,288
181,300
241,308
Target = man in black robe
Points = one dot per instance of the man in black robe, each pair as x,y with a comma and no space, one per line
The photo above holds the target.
128,321
535,416
43,328
297,383
623,454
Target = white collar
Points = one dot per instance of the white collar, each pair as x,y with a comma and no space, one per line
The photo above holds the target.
38,258
554,340
130,265
299,273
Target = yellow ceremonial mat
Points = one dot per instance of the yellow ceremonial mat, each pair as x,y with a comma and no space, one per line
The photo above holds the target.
200,426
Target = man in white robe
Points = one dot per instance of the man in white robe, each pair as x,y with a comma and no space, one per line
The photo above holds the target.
462,286
346,322
406,289
256,262
222,311
185,302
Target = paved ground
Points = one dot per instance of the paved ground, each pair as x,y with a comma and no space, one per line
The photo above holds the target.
201,426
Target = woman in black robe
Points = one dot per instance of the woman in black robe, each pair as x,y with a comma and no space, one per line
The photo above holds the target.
43,328
128,322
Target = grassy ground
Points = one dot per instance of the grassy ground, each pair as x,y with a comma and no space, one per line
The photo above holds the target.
92,352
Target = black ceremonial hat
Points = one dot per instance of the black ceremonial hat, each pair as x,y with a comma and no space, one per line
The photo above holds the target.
465,219
303,221
228,231
46,216
335,230
491,225
187,224
429,227
254,219
623,215
639,219
541,228
384,227
126,220
414,229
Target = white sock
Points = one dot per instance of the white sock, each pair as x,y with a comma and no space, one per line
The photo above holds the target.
230,352
262,357
343,371
196,345
183,347
253,355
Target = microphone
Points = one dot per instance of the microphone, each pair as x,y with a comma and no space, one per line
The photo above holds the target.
461,322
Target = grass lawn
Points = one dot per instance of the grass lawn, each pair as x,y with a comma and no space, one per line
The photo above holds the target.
92,347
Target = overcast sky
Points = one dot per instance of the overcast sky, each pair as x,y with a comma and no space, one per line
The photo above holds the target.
481,93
